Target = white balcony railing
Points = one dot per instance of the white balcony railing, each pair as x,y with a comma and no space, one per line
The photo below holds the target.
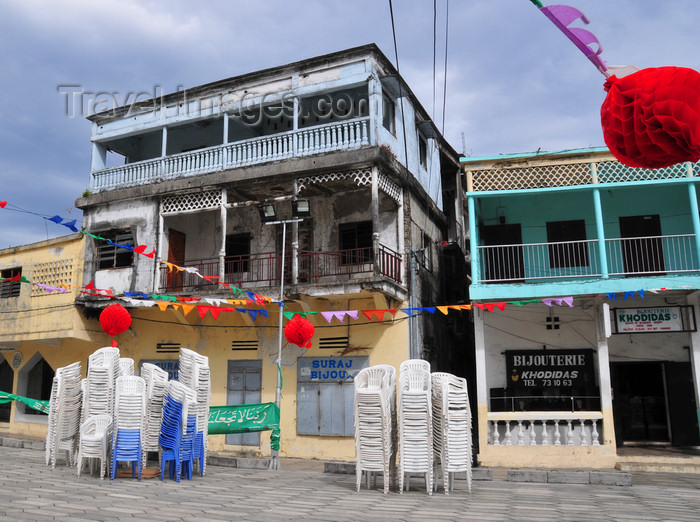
539,261
581,259
547,428
651,255
343,135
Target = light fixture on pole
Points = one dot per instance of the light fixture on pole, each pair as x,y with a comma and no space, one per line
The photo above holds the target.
300,210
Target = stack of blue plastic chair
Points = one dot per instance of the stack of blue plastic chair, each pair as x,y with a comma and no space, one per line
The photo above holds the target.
129,417
177,430
194,372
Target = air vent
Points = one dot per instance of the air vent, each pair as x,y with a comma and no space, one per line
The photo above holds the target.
333,343
244,345
168,348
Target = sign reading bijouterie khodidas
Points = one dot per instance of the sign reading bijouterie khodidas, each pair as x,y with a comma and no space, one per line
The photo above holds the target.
542,369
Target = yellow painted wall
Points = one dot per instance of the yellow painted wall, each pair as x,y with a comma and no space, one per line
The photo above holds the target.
384,343
39,314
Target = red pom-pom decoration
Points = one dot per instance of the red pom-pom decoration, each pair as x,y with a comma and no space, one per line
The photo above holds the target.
114,320
651,118
299,331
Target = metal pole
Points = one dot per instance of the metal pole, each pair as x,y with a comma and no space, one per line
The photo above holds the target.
275,461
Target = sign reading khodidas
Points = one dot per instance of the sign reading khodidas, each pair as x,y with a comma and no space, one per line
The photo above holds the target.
554,369
642,320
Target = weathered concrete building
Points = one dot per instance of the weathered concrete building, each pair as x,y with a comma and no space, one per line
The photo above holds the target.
361,193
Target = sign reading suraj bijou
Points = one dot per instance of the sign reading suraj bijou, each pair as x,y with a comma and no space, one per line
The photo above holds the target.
643,320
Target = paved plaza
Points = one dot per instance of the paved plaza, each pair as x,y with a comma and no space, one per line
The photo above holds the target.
29,490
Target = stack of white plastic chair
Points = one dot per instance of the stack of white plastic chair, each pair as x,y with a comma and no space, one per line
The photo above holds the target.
126,364
193,371
129,418
452,425
95,442
375,412
415,423
65,407
103,370
84,406
156,380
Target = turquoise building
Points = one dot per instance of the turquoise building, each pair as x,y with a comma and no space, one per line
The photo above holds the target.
585,277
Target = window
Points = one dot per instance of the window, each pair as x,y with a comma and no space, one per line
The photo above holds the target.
389,114
244,387
7,377
356,242
10,288
325,393
111,256
568,250
427,252
423,151
237,252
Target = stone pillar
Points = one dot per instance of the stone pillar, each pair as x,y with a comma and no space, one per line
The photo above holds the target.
602,332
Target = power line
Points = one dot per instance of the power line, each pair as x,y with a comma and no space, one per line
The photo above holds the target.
434,51
444,92
398,70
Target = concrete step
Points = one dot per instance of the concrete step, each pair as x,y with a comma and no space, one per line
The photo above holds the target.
666,466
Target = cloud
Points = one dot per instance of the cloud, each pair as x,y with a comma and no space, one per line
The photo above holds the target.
514,82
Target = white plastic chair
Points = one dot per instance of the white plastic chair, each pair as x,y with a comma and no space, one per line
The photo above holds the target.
95,440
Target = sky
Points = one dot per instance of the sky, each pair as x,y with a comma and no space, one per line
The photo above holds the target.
513,82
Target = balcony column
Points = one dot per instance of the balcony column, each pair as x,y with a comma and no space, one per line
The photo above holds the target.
161,251
295,241
694,300
295,117
692,195
600,230
222,249
224,151
163,151
473,240
99,157
602,332
375,219
375,108
482,395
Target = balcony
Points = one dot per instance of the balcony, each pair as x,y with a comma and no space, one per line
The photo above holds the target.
635,256
263,270
344,135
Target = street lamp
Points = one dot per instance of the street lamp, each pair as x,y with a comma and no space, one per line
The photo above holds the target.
300,210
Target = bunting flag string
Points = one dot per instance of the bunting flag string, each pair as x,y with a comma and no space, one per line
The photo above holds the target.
142,250
214,306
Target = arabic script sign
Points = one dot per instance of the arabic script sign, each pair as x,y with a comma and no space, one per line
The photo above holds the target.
243,418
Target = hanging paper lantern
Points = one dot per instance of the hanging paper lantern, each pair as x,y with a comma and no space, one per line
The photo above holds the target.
299,331
651,118
114,320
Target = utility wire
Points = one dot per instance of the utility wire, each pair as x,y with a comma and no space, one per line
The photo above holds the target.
398,70
434,51
444,91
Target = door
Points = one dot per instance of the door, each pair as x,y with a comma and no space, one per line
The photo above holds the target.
176,255
503,263
681,404
643,252
639,402
7,376
244,387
